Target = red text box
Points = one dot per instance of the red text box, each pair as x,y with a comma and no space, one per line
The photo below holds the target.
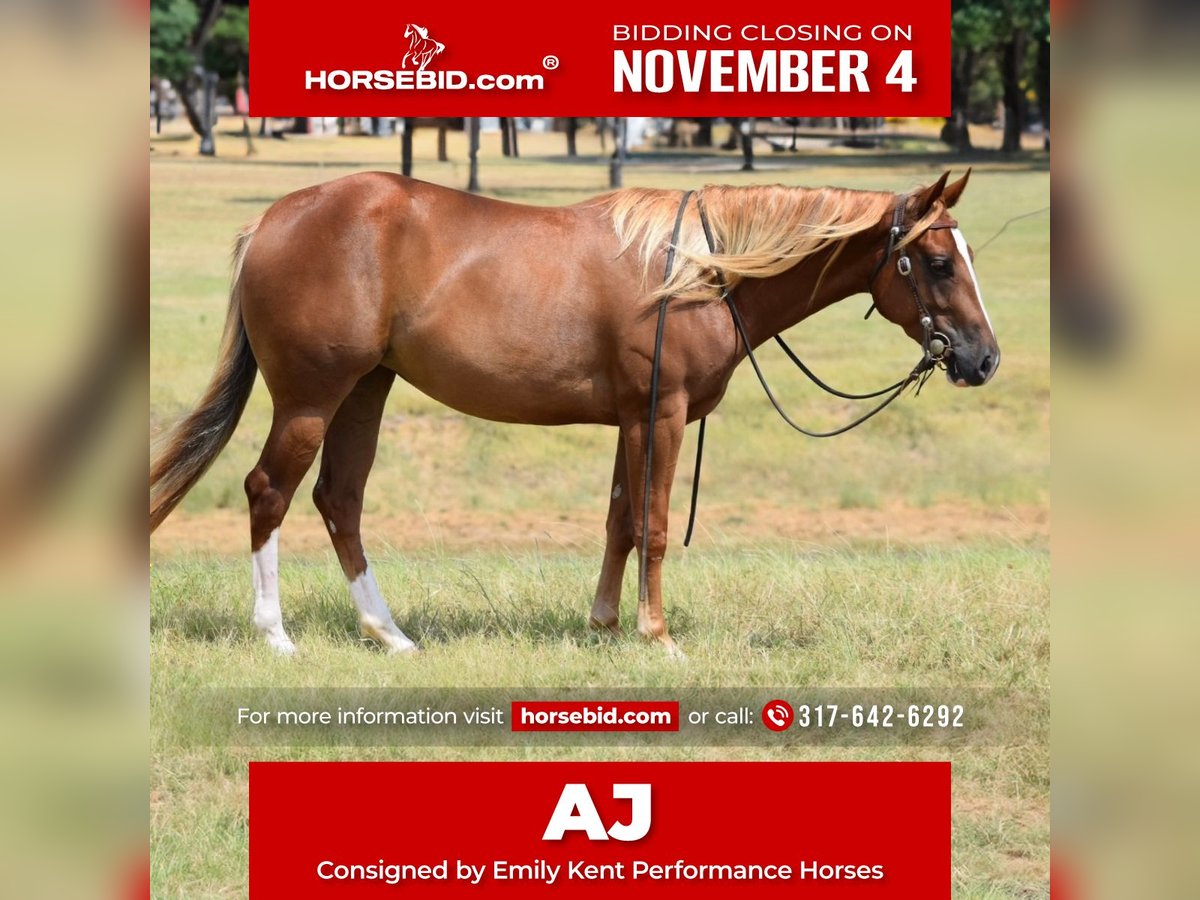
839,829
675,58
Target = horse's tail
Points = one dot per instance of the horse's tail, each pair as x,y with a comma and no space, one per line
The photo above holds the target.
187,451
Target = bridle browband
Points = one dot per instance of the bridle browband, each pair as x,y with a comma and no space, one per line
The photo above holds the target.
904,266
935,346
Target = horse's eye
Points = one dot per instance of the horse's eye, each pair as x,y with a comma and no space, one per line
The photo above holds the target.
941,266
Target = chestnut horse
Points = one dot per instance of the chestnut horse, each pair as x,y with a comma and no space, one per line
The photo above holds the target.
544,316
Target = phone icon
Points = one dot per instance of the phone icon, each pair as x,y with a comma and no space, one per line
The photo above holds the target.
778,715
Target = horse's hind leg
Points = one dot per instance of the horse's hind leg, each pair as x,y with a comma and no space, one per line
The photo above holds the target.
289,451
606,610
345,464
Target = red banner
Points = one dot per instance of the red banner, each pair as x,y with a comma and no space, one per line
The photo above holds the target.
699,58
595,830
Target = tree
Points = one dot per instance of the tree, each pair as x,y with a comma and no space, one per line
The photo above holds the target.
1041,77
972,27
227,50
1018,21
991,63
171,25
179,34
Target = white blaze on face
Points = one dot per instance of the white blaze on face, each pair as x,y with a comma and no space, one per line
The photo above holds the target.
961,243
268,617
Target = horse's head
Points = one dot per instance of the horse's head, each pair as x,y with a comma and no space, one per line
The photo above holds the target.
940,270
417,30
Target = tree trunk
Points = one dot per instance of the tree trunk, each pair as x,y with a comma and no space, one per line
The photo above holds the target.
208,115
616,176
473,155
406,139
191,107
512,141
572,125
1014,102
956,132
209,12
746,131
441,142
246,133
703,136
673,133
505,139
1042,77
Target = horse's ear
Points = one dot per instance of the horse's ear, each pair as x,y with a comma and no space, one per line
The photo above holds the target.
925,198
953,191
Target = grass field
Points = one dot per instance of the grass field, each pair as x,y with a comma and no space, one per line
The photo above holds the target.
913,551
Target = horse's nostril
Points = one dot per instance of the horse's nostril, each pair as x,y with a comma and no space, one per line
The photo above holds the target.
985,366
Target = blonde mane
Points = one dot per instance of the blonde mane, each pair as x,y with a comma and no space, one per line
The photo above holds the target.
759,231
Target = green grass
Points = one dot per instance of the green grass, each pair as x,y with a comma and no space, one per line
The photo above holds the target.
943,617
761,599
948,618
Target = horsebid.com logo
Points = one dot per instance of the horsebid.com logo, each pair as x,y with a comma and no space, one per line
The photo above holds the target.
421,47
414,76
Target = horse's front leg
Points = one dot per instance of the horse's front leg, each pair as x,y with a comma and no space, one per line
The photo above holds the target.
606,610
668,436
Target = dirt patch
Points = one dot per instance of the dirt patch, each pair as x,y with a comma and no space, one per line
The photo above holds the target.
226,532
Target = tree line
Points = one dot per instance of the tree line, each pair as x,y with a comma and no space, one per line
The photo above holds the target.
1000,56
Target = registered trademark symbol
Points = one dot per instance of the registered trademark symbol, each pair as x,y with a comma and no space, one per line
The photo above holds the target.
550,62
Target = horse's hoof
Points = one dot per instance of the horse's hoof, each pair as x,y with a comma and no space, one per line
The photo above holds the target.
673,651
667,643
613,628
281,644
391,639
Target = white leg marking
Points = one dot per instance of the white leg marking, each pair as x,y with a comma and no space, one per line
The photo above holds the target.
374,618
961,243
268,617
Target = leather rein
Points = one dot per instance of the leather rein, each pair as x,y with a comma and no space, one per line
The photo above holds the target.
935,347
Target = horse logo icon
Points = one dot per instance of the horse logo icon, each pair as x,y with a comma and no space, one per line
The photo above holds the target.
421,47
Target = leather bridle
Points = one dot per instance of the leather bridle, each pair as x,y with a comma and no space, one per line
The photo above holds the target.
935,347
935,344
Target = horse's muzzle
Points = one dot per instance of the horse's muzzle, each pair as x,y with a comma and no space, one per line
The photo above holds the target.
972,364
